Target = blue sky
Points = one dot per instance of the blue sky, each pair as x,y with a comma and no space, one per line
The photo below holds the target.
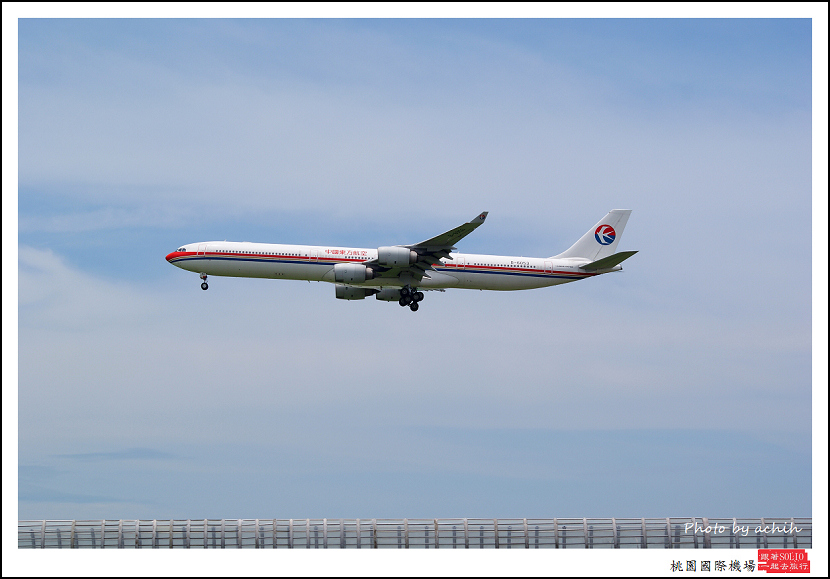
616,396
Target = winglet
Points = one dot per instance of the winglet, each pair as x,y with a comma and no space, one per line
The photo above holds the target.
480,219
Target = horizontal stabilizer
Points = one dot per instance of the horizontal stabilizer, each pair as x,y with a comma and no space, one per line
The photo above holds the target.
607,262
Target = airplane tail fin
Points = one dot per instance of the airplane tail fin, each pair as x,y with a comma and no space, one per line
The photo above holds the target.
601,240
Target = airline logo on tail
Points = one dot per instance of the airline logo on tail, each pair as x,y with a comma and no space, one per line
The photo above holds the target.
605,235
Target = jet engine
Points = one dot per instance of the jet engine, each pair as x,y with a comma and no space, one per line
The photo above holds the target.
389,294
396,256
352,273
344,292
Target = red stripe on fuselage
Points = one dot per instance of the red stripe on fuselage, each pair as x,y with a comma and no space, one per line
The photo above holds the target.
175,255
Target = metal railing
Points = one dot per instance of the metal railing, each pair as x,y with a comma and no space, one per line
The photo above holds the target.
556,533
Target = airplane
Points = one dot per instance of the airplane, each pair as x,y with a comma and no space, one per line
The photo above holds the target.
399,273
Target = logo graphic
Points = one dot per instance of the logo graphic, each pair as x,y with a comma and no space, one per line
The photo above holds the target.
605,234
783,561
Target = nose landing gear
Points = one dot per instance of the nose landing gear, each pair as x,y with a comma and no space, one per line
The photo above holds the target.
204,280
410,297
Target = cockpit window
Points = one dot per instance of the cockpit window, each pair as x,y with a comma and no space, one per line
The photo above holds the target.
181,249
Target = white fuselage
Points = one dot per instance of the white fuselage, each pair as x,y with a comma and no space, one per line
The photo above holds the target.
316,263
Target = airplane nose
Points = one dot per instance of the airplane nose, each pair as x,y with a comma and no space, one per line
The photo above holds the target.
170,256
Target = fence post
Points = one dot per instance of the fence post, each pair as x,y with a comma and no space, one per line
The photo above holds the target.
793,533
406,533
764,530
645,539
436,533
527,538
707,539
555,533
694,535
585,531
466,534
496,531
72,544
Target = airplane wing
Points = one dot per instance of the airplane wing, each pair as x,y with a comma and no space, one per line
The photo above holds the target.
446,241
429,252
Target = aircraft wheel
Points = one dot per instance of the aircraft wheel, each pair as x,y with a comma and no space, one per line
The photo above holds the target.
413,306
404,291
403,301
204,286
419,296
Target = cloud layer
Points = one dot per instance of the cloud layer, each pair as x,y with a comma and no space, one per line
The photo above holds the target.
138,136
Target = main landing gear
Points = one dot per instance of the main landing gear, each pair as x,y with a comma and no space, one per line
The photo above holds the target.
204,280
410,297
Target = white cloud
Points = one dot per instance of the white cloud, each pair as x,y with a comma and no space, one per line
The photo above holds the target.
495,126
130,360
